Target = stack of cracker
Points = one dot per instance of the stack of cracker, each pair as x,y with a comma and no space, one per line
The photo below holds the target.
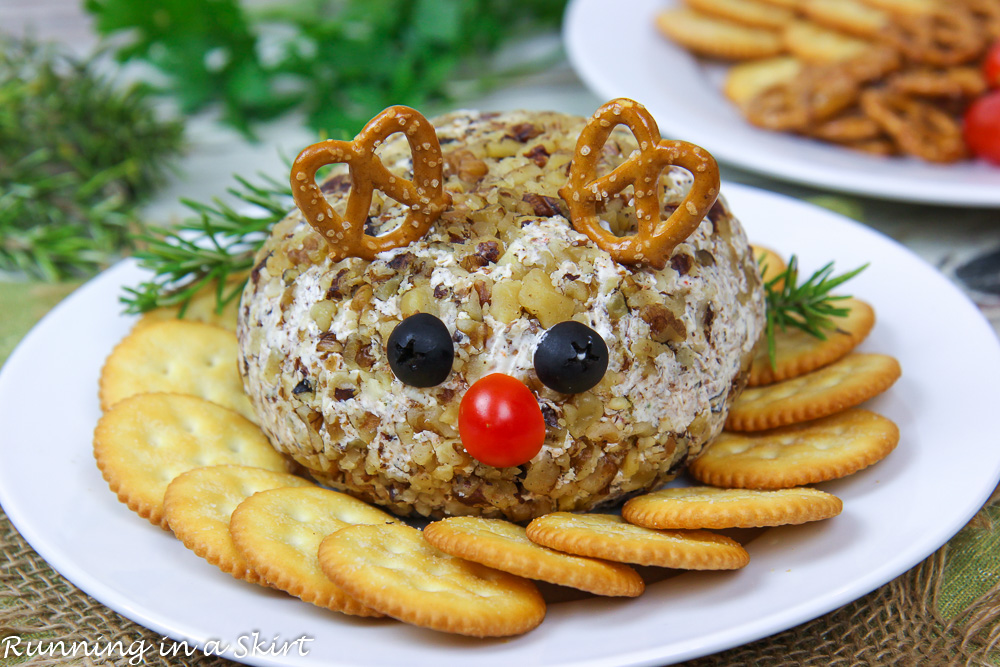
178,444
798,422
889,77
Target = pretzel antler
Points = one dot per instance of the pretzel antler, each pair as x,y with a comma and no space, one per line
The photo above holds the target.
656,238
424,195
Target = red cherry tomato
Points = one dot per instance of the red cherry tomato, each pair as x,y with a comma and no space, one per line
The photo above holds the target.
991,66
982,127
500,422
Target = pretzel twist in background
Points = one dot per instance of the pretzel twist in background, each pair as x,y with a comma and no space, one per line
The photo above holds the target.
986,13
424,195
919,127
945,37
655,238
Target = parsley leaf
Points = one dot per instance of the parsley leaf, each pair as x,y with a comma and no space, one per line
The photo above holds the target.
338,61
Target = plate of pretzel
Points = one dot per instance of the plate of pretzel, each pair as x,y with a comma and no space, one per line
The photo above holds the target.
870,97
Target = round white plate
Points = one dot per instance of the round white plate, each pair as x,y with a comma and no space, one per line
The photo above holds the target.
896,512
619,53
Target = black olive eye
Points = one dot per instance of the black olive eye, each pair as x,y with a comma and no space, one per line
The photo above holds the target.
571,357
420,350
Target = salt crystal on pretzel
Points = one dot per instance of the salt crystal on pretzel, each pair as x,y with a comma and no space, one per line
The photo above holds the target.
424,196
656,238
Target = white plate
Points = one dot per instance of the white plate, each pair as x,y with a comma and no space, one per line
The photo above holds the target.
896,512
619,53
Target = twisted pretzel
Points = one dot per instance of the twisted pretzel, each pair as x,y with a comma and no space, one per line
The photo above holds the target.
850,127
962,83
918,127
656,238
947,36
424,195
986,14
814,96
818,93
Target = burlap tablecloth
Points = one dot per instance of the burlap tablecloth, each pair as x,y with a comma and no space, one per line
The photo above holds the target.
945,611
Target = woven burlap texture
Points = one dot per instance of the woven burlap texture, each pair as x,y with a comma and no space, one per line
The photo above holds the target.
895,625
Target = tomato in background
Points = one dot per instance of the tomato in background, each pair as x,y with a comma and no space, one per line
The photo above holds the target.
982,127
991,66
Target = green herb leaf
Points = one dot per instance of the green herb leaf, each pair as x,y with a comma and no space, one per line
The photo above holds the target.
808,306
214,247
339,61
78,153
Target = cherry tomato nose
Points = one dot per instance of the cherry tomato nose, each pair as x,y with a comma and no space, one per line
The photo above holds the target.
500,422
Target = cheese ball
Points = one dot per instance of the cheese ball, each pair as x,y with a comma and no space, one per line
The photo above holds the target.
499,268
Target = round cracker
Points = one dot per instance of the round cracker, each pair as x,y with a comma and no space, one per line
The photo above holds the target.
180,357
505,546
278,533
610,537
794,5
709,507
745,12
202,309
851,16
747,80
717,38
393,569
143,442
770,263
816,451
814,43
905,7
797,352
199,503
843,384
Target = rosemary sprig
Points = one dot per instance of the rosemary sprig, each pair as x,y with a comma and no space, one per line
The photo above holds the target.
78,153
808,306
211,248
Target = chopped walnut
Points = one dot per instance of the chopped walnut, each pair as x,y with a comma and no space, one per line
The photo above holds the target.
545,207
681,263
664,326
464,164
523,132
538,155
486,252
344,393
